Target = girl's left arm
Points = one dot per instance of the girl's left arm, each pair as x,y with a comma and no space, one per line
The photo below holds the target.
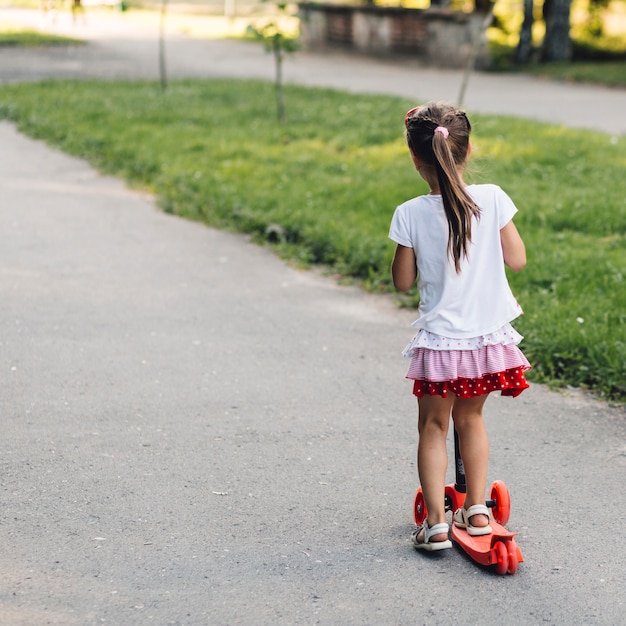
403,268
513,247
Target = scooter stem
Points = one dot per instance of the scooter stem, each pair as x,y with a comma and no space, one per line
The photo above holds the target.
460,484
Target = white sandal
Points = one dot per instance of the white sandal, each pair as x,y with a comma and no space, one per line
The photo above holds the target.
462,516
427,544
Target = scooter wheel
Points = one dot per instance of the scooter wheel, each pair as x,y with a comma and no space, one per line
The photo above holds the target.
502,508
454,499
502,558
512,556
419,508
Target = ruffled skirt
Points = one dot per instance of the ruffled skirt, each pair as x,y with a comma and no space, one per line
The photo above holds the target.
467,367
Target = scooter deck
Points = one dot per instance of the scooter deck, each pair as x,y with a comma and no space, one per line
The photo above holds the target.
484,549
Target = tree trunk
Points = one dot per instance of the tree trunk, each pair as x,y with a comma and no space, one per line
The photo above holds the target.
556,44
278,83
162,64
525,45
477,36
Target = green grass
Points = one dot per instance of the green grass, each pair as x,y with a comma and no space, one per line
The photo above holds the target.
323,189
611,74
14,36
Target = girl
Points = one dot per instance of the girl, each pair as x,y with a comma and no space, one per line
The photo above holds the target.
455,241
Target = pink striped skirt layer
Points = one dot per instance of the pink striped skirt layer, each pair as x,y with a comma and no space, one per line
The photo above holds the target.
440,365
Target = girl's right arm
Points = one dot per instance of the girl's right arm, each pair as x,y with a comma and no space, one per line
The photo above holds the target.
403,268
513,247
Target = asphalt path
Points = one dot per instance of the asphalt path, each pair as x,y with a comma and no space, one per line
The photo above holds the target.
195,432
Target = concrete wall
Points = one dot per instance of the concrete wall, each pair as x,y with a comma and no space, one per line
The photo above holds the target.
438,36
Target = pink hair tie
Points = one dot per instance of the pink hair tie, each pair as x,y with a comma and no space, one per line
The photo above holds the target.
443,130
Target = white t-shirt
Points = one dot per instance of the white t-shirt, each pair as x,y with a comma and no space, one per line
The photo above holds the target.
476,301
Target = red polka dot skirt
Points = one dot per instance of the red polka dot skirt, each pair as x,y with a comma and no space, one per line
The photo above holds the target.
510,382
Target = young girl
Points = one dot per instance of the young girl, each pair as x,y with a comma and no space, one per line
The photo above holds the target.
456,241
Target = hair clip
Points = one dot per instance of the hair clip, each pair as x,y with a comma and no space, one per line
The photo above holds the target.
409,113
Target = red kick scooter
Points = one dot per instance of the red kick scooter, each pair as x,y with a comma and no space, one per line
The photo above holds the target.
499,548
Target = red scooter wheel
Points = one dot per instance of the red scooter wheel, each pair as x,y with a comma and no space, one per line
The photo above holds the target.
502,508
512,556
454,499
502,558
419,508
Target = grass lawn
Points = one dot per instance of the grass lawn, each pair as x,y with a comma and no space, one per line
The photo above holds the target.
609,73
11,35
323,188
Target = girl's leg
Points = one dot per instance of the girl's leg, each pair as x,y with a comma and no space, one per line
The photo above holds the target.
474,448
432,456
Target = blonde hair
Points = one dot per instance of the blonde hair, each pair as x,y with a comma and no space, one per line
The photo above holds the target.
438,134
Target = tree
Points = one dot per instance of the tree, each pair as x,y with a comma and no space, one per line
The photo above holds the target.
471,58
279,43
525,46
594,20
556,44
162,63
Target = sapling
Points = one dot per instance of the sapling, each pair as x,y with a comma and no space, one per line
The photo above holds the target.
279,43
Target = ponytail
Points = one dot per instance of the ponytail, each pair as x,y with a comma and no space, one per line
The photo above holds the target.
439,136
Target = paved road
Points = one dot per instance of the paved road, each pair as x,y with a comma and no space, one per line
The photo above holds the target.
196,433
